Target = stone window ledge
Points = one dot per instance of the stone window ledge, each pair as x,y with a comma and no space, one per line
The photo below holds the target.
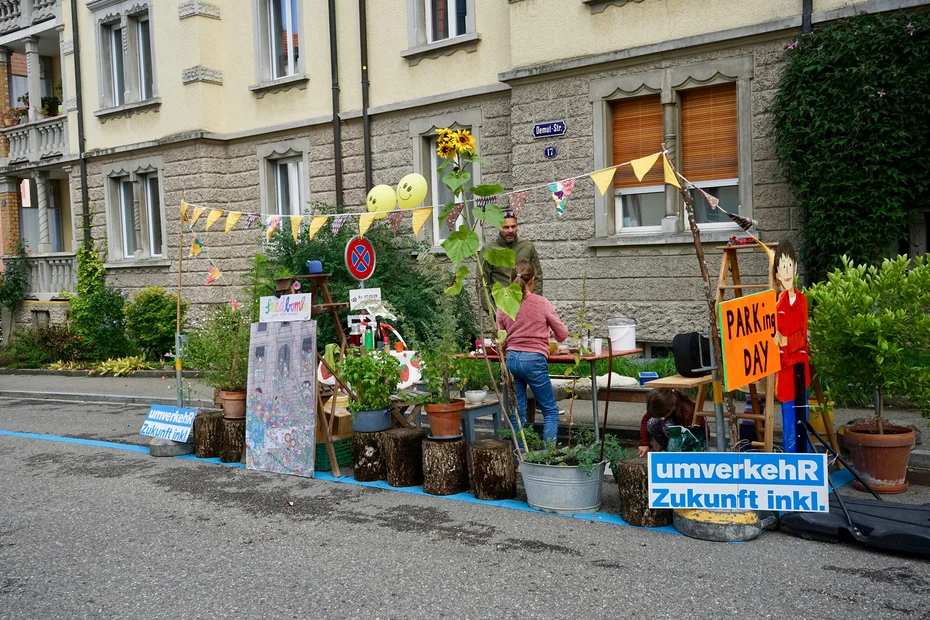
604,245
599,6
279,85
140,264
445,47
128,109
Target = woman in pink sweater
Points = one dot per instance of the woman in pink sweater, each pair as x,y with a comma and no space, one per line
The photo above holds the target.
527,349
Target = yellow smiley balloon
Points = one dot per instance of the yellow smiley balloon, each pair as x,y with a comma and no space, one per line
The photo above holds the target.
411,191
381,198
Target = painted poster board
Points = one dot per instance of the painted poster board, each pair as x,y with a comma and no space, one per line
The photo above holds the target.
747,334
280,418
739,480
164,422
285,308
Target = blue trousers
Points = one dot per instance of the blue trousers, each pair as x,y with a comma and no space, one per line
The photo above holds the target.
532,369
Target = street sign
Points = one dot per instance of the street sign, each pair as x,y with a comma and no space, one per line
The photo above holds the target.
360,258
549,152
358,297
174,423
548,130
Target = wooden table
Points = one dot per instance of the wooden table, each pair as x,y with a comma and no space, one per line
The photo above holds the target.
407,413
569,358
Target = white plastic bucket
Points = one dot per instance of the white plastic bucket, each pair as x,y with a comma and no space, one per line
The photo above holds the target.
622,332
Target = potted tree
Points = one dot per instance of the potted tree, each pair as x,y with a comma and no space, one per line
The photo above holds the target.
221,350
373,377
870,330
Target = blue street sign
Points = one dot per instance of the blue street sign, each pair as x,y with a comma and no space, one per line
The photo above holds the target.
549,152
548,130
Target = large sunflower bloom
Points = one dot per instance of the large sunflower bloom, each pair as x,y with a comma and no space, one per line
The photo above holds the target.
445,134
464,141
446,150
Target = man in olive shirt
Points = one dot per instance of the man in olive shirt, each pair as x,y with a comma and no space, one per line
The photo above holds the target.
523,249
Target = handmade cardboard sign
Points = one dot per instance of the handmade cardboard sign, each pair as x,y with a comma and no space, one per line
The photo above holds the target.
360,296
739,480
747,334
172,423
284,309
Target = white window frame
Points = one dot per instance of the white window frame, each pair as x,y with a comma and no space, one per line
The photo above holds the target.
151,199
452,20
123,53
630,191
146,74
139,174
120,184
270,156
294,166
116,62
706,185
434,179
266,70
422,42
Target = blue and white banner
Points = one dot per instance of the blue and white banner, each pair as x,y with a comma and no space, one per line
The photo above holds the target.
739,480
174,423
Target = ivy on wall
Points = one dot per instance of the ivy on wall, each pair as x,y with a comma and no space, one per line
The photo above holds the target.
852,117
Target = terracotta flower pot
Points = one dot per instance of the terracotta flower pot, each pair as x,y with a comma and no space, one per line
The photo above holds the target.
881,460
233,405
445,420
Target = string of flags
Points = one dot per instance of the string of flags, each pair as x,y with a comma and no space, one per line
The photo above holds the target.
514,201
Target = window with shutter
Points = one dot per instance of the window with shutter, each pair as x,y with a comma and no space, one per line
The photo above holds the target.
709,148
637,131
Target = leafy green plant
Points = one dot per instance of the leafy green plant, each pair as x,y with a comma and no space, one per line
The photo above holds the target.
583,451
97,312
32,348
151,319
120,367
373,377
870,327
849,104
221,349
439,365
15,276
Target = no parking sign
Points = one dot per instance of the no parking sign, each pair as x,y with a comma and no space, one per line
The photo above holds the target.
360,258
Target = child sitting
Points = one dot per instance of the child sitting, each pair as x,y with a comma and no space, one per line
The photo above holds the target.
664,407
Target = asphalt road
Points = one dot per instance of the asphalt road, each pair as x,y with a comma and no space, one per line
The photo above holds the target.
103,533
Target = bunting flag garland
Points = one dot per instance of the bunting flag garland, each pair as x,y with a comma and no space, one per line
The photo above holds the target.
316,224
453,216
338,222
213,273
234,304
184,207
253,217
365,222
713,201
603,179
195,215
395,220
215,214
643,165
740,220
670,177
419,218
231,220
295,225
482,201
273,221
196,247
561,192
518,199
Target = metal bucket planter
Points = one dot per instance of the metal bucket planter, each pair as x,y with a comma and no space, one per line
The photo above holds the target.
563,489
373,421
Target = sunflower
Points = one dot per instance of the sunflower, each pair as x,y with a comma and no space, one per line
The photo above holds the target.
464,141
446,150
445,134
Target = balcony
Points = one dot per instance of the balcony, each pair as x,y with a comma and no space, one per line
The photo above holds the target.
37,142
50,275
20,14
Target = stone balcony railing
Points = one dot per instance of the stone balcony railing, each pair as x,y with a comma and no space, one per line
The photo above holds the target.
50,275
38,141
19,14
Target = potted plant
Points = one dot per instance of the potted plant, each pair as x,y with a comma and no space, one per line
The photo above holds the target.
50,105
373,377
870,330
221,350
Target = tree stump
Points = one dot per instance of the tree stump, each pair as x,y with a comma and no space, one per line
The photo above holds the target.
403,451
493,473
445,467
232,440
633,482
368,457
207,435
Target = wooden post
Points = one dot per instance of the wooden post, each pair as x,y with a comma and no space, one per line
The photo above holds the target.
633,482
403,448
232,442
368,457
493,473
445,467
207,435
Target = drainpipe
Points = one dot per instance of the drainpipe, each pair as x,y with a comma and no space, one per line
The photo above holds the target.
85,200
807,7
366,121
337,122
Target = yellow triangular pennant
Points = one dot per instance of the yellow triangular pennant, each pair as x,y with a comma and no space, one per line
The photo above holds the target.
603,179
419,218
643,165
669,173
316,224
184,207
295,225
215,214
364,223
195,215
231,220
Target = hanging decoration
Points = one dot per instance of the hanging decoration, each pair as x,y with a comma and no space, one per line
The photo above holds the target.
295,225
231,220
184,207
561,192
670,177
603,179
453,216
213,273
518,199
713,201
365,221
411,191
215,214
395,220
643,165
195,215
315,225
482,201
253,217
196,247
419,218
273,222
338,222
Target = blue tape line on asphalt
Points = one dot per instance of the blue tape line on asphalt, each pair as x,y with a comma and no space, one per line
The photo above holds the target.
841,477
86,442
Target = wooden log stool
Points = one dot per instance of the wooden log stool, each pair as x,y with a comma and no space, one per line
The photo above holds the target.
492,469
208,429
232,440
445,466
633,482
368,457
403,451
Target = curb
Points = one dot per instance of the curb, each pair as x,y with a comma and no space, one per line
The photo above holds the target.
140,374
105,398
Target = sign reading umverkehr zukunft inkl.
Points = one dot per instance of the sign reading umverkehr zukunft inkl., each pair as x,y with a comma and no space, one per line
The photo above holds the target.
172,423
741,481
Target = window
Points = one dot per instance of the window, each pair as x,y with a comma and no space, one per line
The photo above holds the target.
125,51
135,218
144,43
129,224
283,176
287,175
439,27
440,195
637,132
114,35
278,36
445,19
153,213
29,224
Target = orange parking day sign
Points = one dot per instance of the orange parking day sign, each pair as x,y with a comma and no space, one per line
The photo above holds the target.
747,333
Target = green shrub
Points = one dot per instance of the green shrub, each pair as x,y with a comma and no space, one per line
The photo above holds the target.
850,109
32,348
373,377
221,349
151,319
97,312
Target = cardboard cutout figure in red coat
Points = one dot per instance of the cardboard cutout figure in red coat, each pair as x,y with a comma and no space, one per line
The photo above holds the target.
791,337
